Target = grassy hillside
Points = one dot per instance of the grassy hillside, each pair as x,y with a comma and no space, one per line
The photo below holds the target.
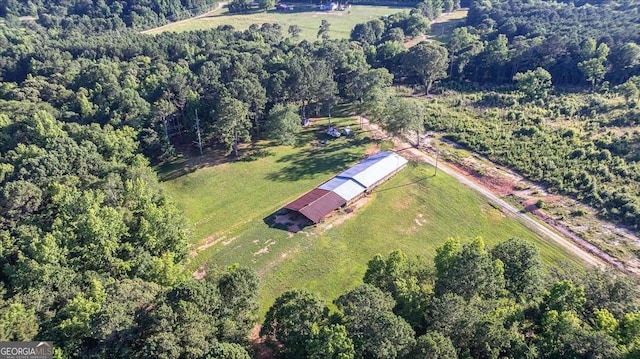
229,206
307,17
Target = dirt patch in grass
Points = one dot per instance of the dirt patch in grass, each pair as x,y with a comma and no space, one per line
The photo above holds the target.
207,243
200,273
265,249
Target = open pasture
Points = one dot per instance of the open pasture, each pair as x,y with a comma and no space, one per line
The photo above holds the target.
307,17
230,207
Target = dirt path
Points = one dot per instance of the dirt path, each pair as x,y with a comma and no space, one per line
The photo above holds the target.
587,252
171,24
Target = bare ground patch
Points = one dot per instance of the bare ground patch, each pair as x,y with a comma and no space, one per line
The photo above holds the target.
265,249
259,344
200,273
209,242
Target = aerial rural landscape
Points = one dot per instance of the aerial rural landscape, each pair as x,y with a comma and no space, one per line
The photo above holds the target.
262,179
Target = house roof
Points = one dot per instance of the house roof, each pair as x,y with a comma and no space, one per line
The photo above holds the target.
344,187
372,170
316,204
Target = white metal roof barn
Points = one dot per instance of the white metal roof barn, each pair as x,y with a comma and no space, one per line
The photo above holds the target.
344,187
375,169
350,184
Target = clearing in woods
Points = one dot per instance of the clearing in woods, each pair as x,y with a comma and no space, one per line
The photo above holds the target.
232,211
307,17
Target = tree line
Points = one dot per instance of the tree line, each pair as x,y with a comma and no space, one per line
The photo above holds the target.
577,43
473,302
84,223
92,251
156,85
103,15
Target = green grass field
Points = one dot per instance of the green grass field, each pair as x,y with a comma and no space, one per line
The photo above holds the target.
414,212
444,25
307,17
218,199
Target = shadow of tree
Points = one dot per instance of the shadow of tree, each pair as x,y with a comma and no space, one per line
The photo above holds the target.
321,159
189,161
287,221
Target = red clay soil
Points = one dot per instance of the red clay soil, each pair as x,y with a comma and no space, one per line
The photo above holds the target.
502,183
506,187
259,345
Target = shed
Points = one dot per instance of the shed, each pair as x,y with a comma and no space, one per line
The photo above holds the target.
316,204
344,187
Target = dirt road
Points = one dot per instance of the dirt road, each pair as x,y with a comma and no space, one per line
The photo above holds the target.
413,153
163,27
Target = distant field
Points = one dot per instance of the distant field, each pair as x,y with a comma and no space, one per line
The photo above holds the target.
414,212
307,17
443,26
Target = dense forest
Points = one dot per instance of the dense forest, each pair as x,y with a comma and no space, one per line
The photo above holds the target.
92,252
576,44
475,302
103,15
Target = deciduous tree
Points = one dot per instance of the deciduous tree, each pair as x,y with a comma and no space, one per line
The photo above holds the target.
376,332
283,124
534,84
468,271
522,267
434,345
232,124
428,61
291,319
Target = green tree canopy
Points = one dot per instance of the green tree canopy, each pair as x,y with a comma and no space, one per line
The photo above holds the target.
428,61
522,267
291,319
468,270
375,330
283,124
534,84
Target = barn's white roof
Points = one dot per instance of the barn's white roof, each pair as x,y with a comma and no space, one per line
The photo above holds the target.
344,187
372,170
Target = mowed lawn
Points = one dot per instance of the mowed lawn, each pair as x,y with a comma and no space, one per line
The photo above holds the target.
414,212
218,199
307,17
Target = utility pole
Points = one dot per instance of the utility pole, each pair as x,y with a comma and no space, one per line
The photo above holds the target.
437,156
198,132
